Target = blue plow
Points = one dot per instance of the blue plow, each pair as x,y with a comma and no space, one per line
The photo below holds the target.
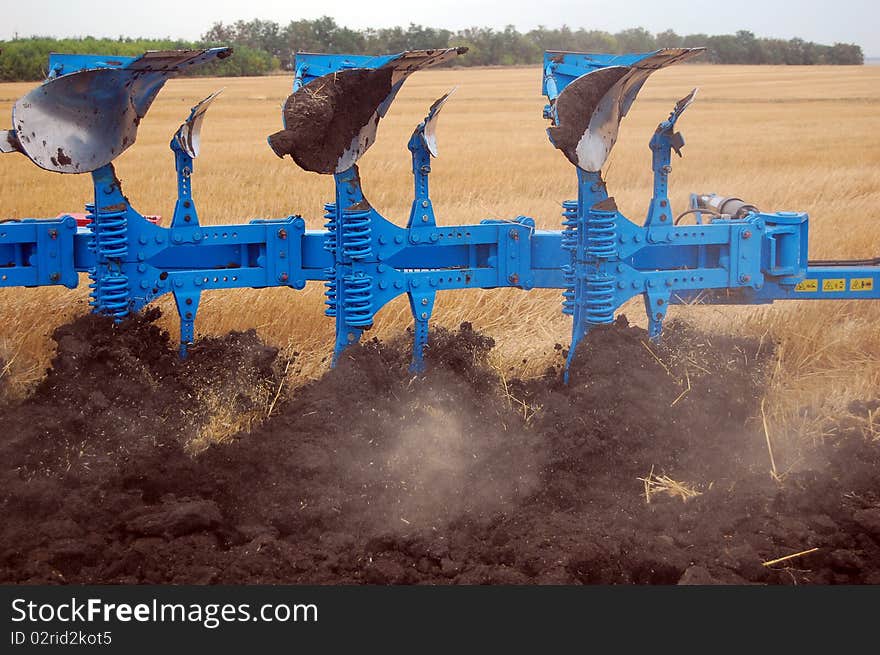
87,113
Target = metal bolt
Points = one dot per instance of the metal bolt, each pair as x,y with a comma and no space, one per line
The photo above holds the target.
747,234
282,233
514,278
662,217
424,218
424,315
55,277
660,301
662,203
283,277
189,301
424,301
187,218
424,203
53,234
514,235
189,315
745,278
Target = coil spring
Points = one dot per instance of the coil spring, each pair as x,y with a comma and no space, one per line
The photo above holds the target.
568,293
600,234
114,295
569,224
356,233
110,232
358,301
110,288
330,239
330,291
599,294
110,294
569,242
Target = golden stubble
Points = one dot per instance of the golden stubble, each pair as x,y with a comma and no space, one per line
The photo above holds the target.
795,138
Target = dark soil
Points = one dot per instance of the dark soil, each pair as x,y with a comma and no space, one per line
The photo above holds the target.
323,117
575,107
369,475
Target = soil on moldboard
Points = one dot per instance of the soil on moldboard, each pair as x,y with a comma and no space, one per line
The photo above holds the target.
370,475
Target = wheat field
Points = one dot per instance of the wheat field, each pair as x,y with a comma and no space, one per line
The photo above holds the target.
793,138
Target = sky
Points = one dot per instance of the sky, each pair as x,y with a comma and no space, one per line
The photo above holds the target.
848,21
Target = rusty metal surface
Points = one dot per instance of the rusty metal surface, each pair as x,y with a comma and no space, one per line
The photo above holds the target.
8,141
589,110
78,122
331,122
189,133
431,120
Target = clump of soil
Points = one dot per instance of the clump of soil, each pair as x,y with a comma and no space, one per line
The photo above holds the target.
575,107
322,118
371,475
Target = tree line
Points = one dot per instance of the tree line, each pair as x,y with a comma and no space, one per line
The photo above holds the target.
262,46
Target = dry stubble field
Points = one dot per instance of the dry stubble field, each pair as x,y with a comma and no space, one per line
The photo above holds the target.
782,137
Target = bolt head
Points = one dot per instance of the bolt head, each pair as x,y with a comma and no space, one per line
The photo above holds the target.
283,277
747,234
424,301
282,233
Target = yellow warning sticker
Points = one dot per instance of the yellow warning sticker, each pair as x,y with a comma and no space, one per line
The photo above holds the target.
861,284
834,284
807,285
